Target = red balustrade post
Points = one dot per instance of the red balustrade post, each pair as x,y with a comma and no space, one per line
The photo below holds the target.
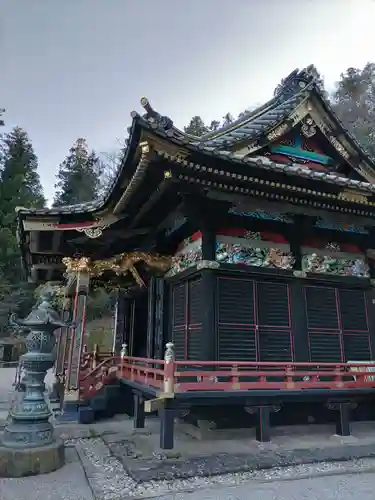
169,369
235,378
123,355
338,376
167,412
290,384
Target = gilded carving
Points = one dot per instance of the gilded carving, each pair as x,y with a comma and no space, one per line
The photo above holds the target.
228,253
80,265
299,113
278,131
338,266
352,196
120,264
308,127
339,147
92,232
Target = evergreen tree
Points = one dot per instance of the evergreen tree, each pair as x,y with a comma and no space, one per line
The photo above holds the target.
214,125
227,120
354,103
196,127
19,186
110,165
78,178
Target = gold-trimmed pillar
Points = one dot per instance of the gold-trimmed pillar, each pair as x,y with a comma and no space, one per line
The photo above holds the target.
61,354
79,274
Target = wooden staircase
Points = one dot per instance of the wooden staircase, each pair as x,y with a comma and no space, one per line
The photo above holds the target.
101,393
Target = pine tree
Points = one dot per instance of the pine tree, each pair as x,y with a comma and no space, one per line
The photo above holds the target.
110,165
20,181
196,127
354,102
214,125
19,186
227,120
78,178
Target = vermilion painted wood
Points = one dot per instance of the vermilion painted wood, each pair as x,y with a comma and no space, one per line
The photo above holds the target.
153,373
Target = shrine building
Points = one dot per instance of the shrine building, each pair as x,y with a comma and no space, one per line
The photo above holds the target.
250,251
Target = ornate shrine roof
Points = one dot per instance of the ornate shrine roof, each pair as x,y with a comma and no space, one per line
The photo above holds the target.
241,142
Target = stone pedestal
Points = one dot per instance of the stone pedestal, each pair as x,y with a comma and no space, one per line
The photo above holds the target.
31,461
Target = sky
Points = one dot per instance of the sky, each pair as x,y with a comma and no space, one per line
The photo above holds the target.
77,68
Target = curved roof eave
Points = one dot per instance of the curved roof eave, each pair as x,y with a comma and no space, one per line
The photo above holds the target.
99,203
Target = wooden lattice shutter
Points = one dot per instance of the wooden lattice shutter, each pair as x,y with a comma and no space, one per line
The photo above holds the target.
194,312
325,339
354,325
274,322
179,319
236,320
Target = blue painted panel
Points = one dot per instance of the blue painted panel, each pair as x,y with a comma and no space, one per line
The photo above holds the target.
336,226
263,215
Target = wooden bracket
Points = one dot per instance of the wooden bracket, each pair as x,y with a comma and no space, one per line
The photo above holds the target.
157,403
153,405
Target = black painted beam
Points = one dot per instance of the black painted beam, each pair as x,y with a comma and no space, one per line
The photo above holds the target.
263,427
343,421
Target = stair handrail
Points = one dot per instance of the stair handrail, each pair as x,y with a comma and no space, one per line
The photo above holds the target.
99,367
95,379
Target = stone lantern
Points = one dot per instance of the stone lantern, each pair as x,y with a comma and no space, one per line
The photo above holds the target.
28,445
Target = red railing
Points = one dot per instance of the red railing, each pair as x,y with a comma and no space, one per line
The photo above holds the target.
90,360
146,371
183,376
95,379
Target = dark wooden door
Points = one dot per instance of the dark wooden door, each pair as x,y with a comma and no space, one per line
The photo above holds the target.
236,320
254,321
187,303
337,324
274,322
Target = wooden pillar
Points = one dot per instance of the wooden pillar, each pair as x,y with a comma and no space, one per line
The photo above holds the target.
208,290
151,303
57,394
299,323
69,331
63,340
370,298
161,317
208,242
121,321
263,434
296,234
71,394
343,421
139,412
167,414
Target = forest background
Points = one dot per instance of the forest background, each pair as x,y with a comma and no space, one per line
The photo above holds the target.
85,174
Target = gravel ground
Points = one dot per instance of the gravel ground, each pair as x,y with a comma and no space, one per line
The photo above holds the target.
329,488
145,469
93,473
109,481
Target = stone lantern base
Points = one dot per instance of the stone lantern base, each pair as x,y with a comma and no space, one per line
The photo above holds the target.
31,461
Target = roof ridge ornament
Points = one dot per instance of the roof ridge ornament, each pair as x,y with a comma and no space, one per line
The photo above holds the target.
152,116
297,81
